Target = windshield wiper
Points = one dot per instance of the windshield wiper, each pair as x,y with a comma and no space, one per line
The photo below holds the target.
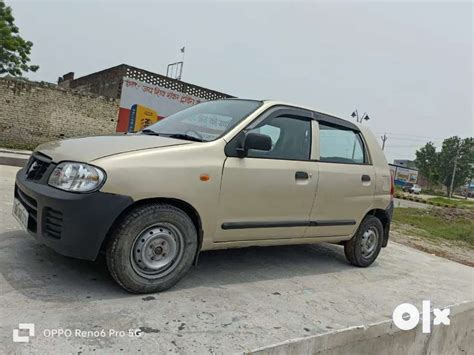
184,136
150,132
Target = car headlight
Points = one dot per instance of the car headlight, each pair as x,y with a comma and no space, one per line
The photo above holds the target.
76,177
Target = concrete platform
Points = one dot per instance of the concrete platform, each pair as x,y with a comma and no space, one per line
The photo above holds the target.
234,301
14,157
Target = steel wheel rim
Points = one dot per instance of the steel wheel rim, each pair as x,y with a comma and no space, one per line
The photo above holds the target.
369,240
157,250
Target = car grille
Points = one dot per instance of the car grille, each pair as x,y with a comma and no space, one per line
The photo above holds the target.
53,223
36,167
31,206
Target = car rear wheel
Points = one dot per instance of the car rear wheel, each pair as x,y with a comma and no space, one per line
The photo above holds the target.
151,248
364,247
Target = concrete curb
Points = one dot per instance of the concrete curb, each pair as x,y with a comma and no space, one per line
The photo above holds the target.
14,157
385,338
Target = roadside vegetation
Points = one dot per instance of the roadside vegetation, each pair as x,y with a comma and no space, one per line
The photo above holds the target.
14,50
454,202
452,166
437,224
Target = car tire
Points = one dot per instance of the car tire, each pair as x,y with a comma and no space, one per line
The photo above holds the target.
151,248
365,245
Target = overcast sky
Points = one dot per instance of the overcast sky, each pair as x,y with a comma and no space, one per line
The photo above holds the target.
409,65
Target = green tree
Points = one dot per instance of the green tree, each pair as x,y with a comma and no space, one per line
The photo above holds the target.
14,50
460,151
427,163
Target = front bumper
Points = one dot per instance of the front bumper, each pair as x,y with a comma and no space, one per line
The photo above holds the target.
73,224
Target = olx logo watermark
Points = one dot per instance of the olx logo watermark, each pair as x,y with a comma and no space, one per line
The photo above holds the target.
412,318
17,338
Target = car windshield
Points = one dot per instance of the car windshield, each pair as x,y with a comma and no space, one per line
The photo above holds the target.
204,122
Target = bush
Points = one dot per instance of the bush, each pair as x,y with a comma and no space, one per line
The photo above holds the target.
434,192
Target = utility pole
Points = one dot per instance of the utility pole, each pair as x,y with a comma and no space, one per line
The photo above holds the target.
175,70
182,50
384,139
454,171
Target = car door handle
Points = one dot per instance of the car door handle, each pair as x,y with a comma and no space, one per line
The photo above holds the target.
365,178
301,175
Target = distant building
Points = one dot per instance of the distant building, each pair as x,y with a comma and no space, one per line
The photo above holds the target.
410,164
403,175
145,97
108,82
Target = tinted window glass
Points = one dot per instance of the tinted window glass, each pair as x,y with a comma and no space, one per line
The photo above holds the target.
339,145
291,138
206,121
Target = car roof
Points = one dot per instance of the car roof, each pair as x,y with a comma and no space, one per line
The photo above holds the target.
286,103
328,116
321,116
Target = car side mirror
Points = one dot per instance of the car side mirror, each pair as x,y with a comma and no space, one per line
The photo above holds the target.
255,141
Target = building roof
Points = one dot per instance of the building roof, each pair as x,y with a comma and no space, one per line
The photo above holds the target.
100,82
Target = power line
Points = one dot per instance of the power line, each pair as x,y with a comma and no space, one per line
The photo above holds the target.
410,139
413,135
400,146
407,145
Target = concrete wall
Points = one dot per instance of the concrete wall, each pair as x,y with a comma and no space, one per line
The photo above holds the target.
385,338
32,113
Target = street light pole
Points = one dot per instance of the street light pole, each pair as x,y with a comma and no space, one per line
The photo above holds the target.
358,118
355,114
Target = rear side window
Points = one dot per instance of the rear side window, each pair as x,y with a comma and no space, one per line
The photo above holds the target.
340,145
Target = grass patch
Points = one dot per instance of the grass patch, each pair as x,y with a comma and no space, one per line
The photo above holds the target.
452,202
437,223
433,192
21,146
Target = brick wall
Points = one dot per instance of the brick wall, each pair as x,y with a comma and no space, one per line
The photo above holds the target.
32,113
107,82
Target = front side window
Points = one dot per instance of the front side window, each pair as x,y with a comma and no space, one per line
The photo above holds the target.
204,122
291,138
340,145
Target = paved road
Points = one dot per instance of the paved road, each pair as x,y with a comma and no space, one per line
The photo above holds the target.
233,301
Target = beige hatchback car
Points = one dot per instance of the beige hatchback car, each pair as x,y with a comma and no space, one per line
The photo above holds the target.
221,174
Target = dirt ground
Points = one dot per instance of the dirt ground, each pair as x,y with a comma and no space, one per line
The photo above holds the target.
458,252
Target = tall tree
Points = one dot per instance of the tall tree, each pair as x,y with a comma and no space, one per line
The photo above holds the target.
459,152
427,163
14,50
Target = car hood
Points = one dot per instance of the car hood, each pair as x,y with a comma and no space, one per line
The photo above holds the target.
88,149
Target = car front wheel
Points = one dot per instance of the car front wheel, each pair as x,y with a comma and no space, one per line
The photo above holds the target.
151,248
365,245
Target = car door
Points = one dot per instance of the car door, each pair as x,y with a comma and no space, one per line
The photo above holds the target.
269,194
346,183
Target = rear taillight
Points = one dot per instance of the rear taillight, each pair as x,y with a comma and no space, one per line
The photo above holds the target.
392,186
